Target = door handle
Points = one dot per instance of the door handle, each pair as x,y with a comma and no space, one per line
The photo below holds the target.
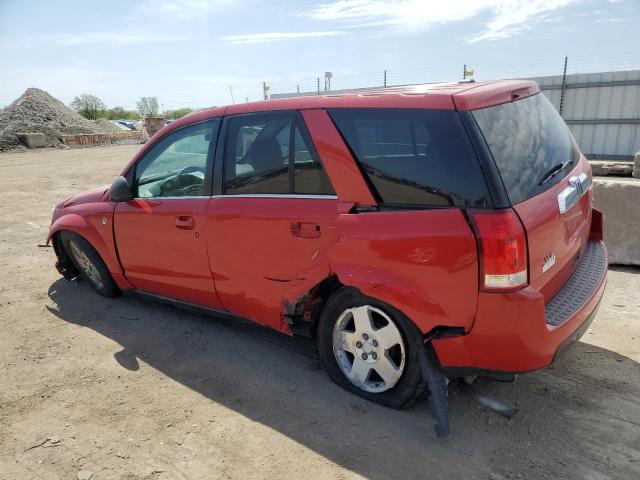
185,222
305,230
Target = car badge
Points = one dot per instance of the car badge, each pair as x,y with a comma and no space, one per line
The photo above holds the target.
549,261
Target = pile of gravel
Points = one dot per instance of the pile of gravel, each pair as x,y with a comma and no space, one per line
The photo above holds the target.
38,112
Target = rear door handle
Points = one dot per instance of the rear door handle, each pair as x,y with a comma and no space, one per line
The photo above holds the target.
185,222
305,230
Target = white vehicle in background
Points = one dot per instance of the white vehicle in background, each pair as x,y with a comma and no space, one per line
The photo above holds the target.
126,124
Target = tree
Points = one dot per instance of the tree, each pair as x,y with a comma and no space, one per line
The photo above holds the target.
119,113
148,106
116,113
89,106
180,112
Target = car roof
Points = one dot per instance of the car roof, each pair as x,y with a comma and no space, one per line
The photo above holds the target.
460,96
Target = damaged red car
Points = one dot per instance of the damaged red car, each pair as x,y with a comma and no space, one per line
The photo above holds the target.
420,233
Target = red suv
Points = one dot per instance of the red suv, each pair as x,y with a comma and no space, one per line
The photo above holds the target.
456,216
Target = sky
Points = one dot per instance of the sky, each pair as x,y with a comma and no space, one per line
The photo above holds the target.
199,53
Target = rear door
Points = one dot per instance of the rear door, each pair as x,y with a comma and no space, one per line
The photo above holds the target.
161,233
273,215
548,183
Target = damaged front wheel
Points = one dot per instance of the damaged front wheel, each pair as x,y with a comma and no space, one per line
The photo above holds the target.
89,264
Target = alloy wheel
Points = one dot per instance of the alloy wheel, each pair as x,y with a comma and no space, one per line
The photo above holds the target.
85,264
369,348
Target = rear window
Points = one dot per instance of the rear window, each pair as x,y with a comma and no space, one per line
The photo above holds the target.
529,141
414,157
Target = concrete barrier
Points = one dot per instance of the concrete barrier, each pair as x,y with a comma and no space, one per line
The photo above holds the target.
126,137
606,168
32,140
619,200
86,139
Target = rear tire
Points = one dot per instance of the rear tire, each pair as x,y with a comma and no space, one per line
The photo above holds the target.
371,349
88,262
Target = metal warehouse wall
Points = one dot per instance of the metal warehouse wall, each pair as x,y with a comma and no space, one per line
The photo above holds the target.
602,110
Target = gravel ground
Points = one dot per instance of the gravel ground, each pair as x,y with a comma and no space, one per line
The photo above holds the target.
126,389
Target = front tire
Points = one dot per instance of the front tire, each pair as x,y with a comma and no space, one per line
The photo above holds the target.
371,349
88,262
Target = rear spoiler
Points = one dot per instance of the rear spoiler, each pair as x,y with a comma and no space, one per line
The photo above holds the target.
495,93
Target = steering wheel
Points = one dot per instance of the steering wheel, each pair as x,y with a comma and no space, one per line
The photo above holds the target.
185,170
180,178
178,183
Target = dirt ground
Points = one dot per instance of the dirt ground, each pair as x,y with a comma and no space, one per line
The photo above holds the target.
127,389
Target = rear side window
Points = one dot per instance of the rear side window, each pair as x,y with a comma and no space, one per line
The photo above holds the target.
414,157
531,145
272,153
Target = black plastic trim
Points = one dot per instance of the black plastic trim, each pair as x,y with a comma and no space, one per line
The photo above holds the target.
580,287
192,307
496,187
218,162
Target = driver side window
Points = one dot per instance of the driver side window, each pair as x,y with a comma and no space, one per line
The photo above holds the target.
178,165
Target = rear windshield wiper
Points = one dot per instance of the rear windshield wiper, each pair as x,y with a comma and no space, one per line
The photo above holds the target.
553,171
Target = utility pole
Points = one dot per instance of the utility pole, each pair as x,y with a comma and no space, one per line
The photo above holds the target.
564,85
297,88
231,92
265,90
385,78
464,72
318,85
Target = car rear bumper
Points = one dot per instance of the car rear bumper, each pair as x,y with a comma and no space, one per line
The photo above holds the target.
516,332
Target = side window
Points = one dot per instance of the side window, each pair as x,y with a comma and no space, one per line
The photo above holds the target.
256,158
414,157
178,165
262,156
308,175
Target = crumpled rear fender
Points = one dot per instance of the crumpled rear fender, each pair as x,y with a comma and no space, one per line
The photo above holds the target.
400,293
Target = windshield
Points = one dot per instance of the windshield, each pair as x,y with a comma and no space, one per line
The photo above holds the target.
529,142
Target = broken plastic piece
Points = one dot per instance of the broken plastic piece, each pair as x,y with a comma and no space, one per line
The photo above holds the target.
437,385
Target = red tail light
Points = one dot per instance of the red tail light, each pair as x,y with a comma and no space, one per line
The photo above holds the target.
503,249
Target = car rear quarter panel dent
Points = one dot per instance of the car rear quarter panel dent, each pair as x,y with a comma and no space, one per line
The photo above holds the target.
423,263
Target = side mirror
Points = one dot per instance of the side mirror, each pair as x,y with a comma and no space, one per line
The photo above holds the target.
120,190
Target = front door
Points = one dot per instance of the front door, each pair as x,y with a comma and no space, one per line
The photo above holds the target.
273,220
161,233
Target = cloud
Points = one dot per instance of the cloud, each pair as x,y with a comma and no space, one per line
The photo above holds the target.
507,17
92,39
171,6
177,9
275,36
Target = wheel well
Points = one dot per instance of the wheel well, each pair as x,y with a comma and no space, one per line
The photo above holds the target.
303,314
67,268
